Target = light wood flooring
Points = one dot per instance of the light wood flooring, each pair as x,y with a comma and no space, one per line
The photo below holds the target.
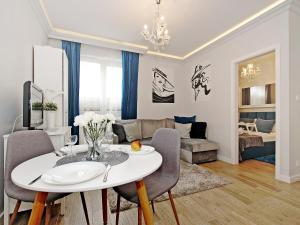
253,198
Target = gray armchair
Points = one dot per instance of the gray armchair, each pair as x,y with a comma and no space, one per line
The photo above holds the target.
22,146
167,143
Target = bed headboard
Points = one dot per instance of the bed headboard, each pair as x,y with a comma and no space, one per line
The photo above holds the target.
261,115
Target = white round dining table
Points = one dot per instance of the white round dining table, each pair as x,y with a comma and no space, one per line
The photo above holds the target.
134,169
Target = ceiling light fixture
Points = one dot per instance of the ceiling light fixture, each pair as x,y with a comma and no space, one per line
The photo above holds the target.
250,72
159,35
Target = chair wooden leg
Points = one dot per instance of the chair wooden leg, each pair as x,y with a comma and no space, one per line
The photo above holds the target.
144,202
118,209
140,216
173,207
84,208
104,205
152,204
38,208
14,215
48,214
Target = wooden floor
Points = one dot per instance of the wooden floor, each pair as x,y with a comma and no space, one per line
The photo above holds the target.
253,198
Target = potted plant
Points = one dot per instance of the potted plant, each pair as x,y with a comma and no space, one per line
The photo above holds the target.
94,129
50,108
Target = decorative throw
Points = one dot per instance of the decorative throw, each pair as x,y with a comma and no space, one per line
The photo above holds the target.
247,140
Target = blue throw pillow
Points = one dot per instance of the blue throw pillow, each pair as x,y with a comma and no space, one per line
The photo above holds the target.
185,120
264,126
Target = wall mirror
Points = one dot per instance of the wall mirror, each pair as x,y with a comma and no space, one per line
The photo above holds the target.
258,95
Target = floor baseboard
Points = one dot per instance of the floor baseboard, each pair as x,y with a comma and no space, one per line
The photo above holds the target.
288,179
225,159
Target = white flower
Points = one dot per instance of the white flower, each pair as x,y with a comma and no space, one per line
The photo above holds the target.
88,116
110,117
98,118
105,120
79,121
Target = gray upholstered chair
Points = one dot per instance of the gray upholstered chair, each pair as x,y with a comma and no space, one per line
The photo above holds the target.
167,143
22,146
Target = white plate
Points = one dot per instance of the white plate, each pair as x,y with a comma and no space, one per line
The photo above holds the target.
75,149
127,148
73,173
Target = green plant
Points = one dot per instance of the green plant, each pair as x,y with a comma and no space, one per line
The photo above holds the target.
37,106
50,106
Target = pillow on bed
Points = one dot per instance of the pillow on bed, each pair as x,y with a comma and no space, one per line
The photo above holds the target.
246,120
274,128
264,126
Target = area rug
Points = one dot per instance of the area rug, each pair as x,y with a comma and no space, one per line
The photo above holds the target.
193,179
268,159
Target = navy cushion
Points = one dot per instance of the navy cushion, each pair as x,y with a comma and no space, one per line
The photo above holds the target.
185,120
264,126
198,130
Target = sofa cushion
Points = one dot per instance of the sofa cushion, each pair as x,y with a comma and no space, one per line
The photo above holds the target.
198,145
185,120
118,130
170,123
150,126
131,121
183,129
132,131
198,130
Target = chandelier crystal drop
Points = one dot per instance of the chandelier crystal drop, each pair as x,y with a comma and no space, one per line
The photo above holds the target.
250,72
159,35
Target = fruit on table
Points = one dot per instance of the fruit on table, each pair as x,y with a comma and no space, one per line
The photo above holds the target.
136,145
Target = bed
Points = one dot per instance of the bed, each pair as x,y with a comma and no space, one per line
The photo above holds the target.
269,139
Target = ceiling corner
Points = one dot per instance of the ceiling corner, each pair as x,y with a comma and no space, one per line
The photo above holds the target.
38,8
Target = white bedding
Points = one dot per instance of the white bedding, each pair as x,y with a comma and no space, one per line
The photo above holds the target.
267,137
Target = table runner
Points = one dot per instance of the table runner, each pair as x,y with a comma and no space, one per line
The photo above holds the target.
113,158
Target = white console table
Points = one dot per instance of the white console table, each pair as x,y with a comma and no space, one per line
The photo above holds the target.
57,137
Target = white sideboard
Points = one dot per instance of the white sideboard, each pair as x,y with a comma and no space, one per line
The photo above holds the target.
57,137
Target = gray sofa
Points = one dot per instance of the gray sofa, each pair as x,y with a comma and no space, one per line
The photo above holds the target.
192,150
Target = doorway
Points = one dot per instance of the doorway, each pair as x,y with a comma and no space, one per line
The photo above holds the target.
255,133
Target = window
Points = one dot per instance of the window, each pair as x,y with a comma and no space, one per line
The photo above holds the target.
100,86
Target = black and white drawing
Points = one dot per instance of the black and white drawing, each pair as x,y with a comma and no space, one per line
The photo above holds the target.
162,88
200,80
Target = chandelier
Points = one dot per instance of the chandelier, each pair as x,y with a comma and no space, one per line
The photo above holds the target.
250,72
159,35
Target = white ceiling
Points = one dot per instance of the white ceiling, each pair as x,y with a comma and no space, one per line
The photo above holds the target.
191,22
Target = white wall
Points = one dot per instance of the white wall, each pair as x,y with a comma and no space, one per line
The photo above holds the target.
218,111
294,92
21,30
149,110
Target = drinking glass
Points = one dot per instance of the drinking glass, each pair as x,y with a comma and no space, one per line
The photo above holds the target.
72,140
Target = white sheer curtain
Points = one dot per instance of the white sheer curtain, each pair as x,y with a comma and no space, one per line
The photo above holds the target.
100,85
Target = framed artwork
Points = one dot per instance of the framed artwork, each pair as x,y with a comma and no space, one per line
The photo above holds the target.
163,89
200,81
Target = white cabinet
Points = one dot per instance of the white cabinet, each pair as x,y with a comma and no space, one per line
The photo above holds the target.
51,74
58,140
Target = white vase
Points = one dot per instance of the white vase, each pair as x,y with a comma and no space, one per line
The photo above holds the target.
51,116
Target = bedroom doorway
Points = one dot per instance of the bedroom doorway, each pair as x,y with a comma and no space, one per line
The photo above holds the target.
255,96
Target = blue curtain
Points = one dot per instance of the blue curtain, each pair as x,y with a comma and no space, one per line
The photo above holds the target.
72,50
130,70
